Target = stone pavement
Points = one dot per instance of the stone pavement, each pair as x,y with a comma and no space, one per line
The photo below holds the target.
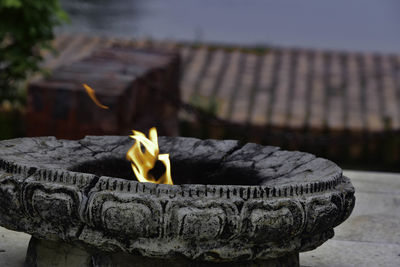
370,237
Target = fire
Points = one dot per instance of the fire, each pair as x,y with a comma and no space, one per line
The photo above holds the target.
92,96
143,162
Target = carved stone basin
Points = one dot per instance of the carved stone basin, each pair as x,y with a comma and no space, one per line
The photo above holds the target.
243,204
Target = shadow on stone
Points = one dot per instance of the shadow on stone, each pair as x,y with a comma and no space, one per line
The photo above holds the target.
184,171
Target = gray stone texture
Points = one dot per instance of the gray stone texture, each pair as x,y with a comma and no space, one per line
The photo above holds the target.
347,251
62,254
370,236
244,202
13,246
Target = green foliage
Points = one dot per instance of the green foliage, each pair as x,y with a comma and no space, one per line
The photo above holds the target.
26,28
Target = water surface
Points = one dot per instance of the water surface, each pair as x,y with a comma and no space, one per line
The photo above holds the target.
361,25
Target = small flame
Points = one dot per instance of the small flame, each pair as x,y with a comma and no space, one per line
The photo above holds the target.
142,163
92,95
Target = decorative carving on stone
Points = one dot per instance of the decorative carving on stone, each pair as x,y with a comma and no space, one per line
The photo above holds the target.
273,220
201,220
124,214
230,202
11,208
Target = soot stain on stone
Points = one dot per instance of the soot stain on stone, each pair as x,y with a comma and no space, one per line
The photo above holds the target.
107,166
183,171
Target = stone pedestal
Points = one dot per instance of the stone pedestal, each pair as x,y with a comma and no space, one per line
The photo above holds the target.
43,253
231,204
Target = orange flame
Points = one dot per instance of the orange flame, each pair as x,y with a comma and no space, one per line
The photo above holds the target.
142,163
92,96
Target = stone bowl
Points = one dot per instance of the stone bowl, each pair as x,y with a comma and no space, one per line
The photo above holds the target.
243,204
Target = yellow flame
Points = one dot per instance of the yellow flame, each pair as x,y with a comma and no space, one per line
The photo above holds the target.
143,162
92,96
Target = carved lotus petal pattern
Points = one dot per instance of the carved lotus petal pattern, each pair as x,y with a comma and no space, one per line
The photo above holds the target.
288,201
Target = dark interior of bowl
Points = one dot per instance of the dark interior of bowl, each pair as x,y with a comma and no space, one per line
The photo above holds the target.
182,171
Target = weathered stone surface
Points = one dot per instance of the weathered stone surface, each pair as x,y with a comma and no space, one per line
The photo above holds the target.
12,247
344,253
62,254
245,203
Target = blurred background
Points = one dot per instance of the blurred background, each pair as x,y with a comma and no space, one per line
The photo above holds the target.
316,76
360,25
